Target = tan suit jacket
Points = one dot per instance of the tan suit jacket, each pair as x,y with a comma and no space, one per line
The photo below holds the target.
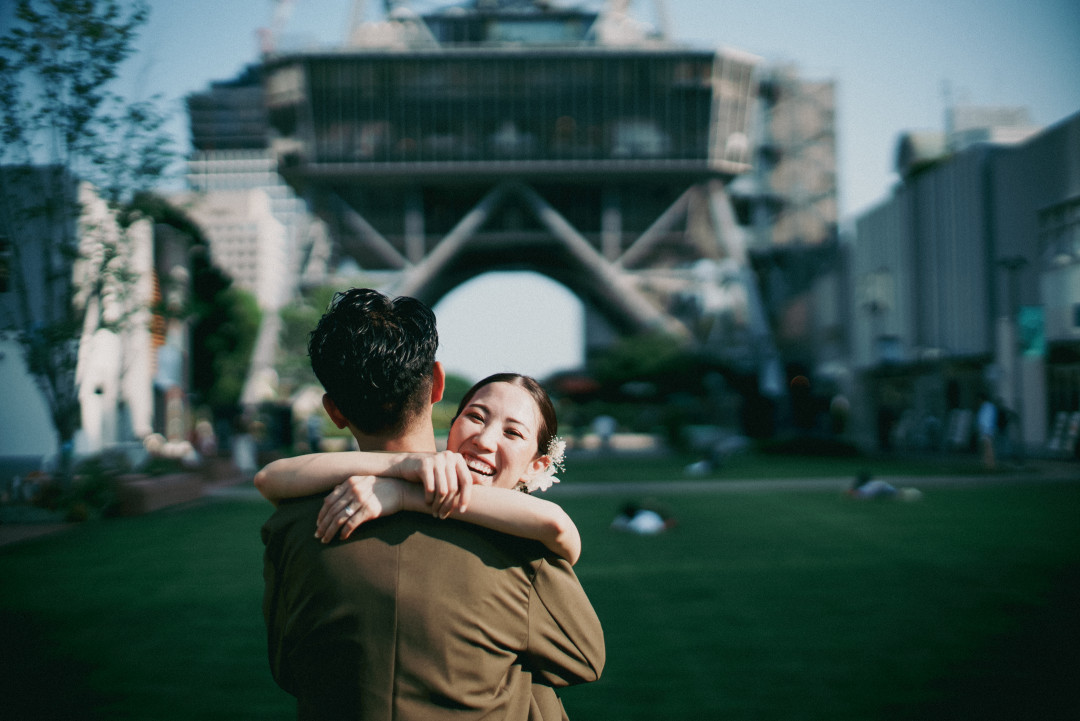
415,618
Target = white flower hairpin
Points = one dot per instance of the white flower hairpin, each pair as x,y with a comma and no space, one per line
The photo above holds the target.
544,479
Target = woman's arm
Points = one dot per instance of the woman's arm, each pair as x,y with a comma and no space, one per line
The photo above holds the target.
445,479
520,514
316,473
361,499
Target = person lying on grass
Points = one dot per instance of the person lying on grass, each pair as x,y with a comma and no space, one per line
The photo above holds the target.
494,451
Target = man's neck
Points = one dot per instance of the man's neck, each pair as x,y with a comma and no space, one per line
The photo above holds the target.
418,438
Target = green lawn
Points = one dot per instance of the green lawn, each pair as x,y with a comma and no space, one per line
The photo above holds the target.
756,606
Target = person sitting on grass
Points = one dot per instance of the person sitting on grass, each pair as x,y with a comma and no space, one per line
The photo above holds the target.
867,488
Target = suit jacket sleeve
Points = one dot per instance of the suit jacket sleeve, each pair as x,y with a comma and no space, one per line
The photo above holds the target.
566,641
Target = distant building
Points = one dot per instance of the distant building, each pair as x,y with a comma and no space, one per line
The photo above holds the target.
260,233
131,370
790,196
306,243
967,125
230,137
581,144
788,205
529,136
247,242
977,244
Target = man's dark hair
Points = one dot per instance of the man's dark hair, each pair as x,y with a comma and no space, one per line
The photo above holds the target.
375,357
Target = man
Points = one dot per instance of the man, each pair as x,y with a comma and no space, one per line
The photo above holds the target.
986,421
413,617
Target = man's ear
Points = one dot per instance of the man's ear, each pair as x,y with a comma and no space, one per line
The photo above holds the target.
332,411
438,382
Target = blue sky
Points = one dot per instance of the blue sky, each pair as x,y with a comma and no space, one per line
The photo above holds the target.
891,61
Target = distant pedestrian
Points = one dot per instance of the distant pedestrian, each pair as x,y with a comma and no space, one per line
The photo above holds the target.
314,432
244,449
839,412
986,424
604,428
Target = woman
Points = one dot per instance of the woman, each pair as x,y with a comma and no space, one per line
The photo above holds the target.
502,439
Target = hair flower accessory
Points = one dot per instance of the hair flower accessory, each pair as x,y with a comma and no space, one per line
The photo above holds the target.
543,480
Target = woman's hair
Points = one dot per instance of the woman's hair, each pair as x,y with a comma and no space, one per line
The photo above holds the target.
549,423
374,357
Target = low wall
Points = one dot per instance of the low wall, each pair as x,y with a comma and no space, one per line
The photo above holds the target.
136,495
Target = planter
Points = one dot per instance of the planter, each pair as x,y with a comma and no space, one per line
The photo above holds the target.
136,495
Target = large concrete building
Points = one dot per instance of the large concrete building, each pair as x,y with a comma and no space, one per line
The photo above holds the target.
686,189
521,135
968,281
583,145
788,206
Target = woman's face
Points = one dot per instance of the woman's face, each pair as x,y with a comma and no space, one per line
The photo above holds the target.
497,434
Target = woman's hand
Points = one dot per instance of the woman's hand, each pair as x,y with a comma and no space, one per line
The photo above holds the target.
446,479
359,499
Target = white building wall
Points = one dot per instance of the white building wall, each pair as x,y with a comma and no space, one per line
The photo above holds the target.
307,245
1041,223
939,243
115,368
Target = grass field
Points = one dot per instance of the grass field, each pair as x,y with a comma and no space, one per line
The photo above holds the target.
758,605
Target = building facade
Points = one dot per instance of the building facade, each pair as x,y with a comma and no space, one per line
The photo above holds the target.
672,187
131,367
966,283
260,233
510,136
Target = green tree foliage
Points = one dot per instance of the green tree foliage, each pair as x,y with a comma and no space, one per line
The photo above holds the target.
649,382
62,125
655,358
298,319
222,337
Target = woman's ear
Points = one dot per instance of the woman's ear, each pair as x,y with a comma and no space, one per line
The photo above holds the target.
538,465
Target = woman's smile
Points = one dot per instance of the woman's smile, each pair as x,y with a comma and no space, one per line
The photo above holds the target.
480,467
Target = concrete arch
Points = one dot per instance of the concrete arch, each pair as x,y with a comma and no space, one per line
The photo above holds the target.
562,254
468,270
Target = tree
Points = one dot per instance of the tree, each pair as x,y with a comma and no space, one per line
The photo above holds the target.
298,319
226,323
69,142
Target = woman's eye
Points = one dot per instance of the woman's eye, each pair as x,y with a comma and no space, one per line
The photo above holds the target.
515,434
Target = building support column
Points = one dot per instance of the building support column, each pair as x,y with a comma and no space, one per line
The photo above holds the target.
414,226
611,224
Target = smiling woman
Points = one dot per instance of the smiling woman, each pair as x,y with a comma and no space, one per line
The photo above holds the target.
503,428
